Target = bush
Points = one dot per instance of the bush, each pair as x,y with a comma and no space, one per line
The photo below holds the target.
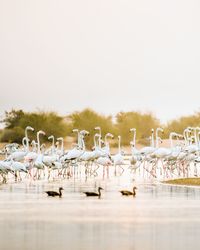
53,124
178,125
89,119
142,122
17,121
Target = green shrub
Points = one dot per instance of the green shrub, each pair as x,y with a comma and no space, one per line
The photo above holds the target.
142,122
88,120
16,121
178,125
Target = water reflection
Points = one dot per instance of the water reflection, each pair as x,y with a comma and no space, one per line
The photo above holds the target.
159,217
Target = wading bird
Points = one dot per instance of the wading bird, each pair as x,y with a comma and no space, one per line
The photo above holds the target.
53,193
93,193
127,192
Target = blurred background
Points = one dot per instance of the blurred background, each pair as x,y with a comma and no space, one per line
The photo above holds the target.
15,122
112,63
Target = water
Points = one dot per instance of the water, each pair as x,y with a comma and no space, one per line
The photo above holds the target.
159,217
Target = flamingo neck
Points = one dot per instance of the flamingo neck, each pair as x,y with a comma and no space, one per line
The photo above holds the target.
38,143
134,138
171,140
53,145
95,144
185,135
83,143
152,140
99,141
195,137
157,137
62,146
119,145
27,141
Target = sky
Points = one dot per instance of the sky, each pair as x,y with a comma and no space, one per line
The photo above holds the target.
109,55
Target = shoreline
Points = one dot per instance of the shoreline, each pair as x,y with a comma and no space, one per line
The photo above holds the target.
183,182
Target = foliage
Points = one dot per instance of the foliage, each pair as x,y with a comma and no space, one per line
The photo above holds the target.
178,125
142,122
17,120
88,120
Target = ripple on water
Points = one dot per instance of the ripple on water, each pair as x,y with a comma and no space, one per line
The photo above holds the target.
159,217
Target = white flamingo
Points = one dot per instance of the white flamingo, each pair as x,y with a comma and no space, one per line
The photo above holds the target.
61,150
118,159
136,157
28,128
39,160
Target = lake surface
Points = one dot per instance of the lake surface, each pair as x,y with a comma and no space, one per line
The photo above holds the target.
159,217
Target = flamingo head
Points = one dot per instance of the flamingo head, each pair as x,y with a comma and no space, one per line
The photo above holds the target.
41,132
29,128
50,137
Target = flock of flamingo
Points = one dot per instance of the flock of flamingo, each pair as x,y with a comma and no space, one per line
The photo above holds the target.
36,161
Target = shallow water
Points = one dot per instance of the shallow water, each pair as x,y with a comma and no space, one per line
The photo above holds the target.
159,217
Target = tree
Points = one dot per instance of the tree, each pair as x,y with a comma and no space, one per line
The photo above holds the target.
142,122
17,120
178,125
89,119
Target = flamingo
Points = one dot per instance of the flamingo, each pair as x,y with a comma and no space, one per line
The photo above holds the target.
193,148
20,154
61,151
28,128
52,148
99,129
5,168
136,157
39,160
149,149
118,159
106,148
18,167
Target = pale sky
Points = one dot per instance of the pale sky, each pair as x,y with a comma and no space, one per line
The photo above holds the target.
110,55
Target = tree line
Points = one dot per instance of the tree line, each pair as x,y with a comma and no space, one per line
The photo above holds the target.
15,122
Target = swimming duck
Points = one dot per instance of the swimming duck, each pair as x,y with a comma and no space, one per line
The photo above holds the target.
53,193
93,193
127,193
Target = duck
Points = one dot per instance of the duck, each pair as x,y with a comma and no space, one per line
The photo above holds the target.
127,193
53,193
93,193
